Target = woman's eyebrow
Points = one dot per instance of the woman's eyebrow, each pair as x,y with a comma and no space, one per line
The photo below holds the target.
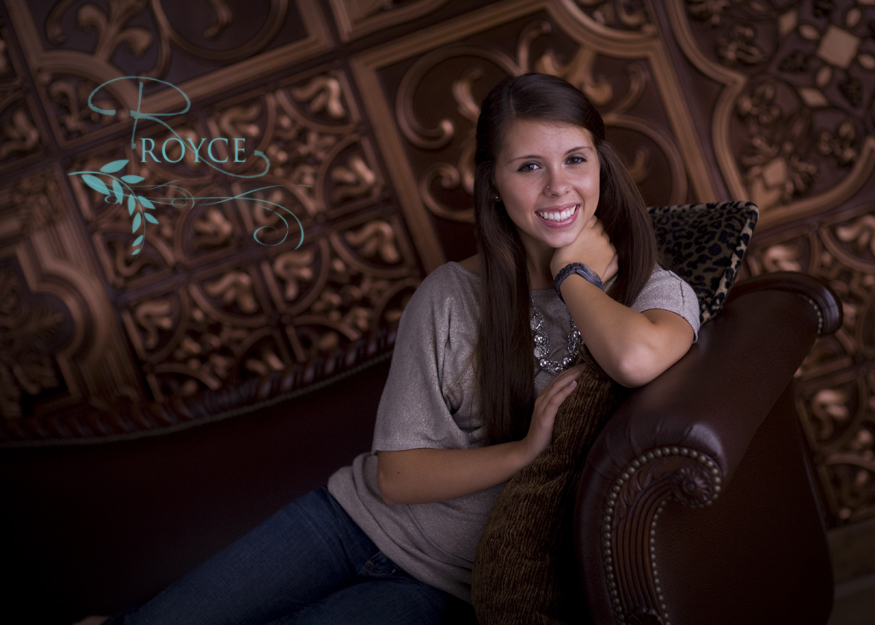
575,149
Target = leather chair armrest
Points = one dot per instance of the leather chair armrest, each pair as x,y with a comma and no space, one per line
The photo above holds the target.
683,436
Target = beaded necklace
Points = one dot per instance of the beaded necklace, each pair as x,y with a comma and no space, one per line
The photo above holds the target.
542,344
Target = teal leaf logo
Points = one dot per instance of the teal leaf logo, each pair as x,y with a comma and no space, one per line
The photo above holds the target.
111,168
95,183
117,189
114,191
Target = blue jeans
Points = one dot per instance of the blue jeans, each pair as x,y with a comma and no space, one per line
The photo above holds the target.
309,563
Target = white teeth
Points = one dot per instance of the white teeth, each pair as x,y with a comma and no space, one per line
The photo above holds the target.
558,216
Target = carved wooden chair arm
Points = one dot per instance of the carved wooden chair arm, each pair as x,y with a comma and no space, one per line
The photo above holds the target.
682,437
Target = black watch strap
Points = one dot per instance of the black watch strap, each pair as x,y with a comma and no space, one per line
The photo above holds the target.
580,269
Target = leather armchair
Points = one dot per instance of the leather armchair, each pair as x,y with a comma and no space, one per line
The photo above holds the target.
697,504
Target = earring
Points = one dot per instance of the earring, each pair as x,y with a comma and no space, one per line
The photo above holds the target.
496,198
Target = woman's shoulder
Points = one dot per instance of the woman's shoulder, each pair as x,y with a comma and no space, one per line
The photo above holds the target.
470,264
450,286
668,291
447,301
662,276
458,275
663,280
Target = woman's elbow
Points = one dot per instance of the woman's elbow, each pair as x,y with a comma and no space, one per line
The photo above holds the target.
637,367
632,376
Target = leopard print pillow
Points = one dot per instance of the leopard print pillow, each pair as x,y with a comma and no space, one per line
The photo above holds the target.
704,244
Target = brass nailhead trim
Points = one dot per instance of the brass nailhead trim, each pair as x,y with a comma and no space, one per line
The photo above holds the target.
703,459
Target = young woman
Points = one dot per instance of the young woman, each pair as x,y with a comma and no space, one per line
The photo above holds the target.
483,359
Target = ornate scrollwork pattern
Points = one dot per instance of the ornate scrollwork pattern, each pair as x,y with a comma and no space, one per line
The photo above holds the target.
813,99
620,14
360,17
19,132
29,333
5,65
19,135
638,496
350,285
115,29
208,335
39,201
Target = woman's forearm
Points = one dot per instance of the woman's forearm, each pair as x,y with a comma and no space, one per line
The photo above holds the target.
430,475
632,347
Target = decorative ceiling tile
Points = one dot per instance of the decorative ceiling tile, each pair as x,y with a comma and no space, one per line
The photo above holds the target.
74,46
356,18
632,15
205,334
32,329
21,140
61,324
822,85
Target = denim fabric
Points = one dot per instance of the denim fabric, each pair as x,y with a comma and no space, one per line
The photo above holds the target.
309,563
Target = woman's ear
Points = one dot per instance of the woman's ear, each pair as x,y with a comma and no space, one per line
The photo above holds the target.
493,188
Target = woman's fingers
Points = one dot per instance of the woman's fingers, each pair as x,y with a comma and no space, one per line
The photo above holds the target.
559,388
562,394
558,394
547,406
563,376
592,247
612,269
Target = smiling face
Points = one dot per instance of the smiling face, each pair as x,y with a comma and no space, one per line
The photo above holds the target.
547,176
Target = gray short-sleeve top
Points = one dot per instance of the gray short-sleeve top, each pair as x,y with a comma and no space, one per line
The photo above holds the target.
430,401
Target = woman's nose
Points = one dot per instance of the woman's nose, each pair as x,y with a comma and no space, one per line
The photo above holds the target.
557,184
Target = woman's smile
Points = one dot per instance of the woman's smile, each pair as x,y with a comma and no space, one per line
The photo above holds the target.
559,216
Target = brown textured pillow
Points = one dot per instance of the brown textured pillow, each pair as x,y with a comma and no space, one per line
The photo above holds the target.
525,572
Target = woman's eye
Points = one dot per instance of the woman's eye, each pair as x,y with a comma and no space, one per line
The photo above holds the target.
528,167
576,159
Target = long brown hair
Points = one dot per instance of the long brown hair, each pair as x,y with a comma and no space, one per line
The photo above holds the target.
504,352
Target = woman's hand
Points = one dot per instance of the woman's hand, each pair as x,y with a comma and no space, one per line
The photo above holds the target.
592,247
547,405
429,475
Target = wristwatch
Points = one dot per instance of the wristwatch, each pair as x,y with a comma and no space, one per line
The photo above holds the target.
580,269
